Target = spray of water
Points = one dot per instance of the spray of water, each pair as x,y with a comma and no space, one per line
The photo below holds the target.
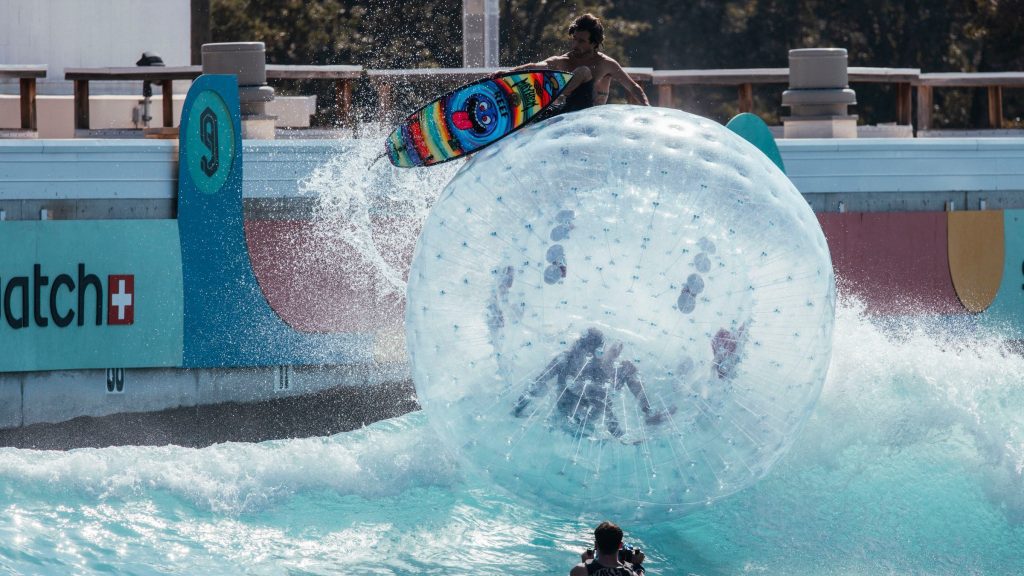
362,203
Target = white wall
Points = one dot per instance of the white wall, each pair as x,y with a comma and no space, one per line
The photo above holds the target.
92,33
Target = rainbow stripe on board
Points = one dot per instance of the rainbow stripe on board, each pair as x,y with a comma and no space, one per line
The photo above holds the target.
473,116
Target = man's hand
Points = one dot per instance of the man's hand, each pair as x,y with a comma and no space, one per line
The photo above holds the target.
660,416
586,556
520,406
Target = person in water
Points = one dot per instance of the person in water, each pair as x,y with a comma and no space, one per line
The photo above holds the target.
593,71
587,374
727,348
605,559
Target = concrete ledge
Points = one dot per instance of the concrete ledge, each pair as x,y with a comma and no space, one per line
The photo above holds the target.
329,411
138,178
58,396
31,398
83,169
895,167
992,133
17,134
10,401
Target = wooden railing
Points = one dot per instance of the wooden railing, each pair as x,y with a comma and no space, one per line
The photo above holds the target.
664,81
26,75
745,78
162,75
993,81
165,76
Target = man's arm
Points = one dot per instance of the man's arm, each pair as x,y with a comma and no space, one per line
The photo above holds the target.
578,570
531,66
635,92
629,375
554,63
538,387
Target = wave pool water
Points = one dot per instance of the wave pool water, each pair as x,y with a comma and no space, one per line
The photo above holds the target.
912,463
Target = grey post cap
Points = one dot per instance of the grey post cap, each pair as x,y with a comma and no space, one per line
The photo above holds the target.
247,60
811,68
234,47
818,53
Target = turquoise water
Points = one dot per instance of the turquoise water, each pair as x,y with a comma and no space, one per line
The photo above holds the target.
913,463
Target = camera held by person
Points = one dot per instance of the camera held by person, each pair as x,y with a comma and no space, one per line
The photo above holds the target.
609,557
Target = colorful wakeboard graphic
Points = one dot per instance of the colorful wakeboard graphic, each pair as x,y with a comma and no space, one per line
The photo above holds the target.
473,116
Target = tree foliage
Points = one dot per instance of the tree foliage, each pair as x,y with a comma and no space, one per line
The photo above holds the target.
933,35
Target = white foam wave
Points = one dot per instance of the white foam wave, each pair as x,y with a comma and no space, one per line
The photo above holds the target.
381,460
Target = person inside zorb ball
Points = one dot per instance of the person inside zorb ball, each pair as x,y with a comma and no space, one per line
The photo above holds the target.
624,311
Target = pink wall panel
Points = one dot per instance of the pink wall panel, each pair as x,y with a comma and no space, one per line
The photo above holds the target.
317,283
897,262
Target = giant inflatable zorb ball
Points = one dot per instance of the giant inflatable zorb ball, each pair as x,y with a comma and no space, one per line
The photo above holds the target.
622,313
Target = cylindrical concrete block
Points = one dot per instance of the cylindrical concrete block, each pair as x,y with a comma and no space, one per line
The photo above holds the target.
813,68
247,60
253,99
247,94
819,102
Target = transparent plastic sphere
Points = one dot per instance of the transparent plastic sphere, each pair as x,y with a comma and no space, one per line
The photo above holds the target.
623,313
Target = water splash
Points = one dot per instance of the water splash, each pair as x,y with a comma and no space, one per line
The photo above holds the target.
364,203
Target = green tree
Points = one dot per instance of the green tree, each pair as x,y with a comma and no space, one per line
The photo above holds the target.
933,35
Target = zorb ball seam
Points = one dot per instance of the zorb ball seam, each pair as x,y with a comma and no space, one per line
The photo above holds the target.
623,312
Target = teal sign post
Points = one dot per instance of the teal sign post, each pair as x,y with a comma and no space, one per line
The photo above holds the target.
227,319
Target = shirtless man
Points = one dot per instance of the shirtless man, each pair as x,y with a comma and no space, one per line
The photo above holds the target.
586,374
592,71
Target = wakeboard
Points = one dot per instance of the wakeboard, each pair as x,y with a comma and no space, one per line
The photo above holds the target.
473,116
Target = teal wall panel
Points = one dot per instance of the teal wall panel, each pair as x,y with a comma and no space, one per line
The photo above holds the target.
63,304
1006,313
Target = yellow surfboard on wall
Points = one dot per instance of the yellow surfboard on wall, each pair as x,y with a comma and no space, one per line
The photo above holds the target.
976,255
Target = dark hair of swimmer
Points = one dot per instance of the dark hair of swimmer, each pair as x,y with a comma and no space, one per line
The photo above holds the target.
607,538
591,24
591,340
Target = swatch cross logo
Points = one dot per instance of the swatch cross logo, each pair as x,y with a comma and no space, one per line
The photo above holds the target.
120,299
